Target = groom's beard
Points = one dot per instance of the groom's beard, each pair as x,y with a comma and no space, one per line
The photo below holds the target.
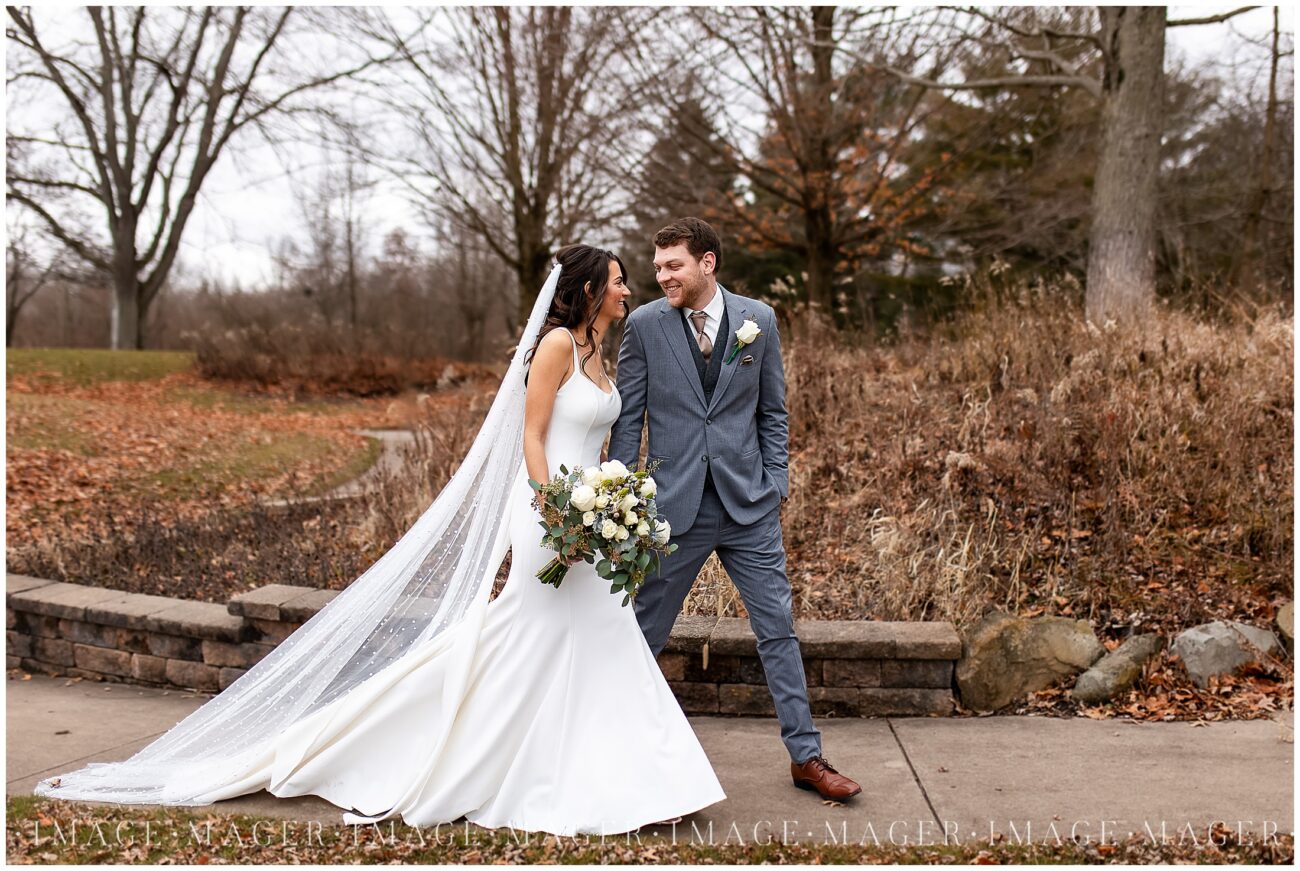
690,294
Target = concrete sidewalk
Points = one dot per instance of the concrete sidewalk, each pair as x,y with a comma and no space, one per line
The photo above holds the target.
1030,778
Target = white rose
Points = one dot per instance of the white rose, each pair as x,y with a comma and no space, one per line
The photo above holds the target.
649,488
642,528
620,534
613,470
628,502
630,518
609,528
591,476
662,531
589,518
602,501
748,332
583,498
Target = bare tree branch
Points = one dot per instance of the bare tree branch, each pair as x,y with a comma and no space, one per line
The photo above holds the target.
1208,19
148,162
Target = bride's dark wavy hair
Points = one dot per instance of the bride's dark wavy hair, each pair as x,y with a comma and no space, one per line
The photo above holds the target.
584,273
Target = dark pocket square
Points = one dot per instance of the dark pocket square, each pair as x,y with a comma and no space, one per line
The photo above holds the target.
746,359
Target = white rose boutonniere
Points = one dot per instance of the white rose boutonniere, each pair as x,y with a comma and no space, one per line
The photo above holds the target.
747,333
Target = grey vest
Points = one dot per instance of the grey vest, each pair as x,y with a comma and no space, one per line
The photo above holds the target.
708,374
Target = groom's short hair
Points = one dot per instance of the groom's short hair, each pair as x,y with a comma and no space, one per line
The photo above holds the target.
700,238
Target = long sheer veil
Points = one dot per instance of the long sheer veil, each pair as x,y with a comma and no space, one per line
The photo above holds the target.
436,578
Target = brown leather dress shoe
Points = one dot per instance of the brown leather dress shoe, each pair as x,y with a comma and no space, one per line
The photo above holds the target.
817,775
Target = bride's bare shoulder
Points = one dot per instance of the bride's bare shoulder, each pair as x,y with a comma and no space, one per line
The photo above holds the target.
553,357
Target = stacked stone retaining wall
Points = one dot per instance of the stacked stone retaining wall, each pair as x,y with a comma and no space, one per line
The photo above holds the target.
853,668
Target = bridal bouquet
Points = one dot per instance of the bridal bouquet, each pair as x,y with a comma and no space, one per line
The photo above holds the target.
603,511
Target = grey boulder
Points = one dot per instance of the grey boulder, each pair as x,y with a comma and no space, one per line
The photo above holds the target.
1118,670
1221,647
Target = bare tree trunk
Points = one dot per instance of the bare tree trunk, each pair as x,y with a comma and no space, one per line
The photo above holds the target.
819,217
536,265
351,277
1122,241
129,308
1245,273
126,333
819,220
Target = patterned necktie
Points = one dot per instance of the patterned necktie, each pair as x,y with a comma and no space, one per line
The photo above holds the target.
706,347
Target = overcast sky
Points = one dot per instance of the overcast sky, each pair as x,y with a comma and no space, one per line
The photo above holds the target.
247,205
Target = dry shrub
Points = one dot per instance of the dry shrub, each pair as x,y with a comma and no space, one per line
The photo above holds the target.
313,359
1023,459
209,558
443,436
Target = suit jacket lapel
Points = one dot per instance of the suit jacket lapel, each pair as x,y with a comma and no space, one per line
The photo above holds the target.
670,320
736,312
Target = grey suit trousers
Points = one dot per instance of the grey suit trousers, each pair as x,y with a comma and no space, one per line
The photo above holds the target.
754,558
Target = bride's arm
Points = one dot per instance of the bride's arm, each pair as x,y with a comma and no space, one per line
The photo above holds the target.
546,373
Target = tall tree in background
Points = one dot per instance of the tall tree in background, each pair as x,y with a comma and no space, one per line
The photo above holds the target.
329,271
682,173
822,171
509,107
147,109
1246,266
24,277
1121,63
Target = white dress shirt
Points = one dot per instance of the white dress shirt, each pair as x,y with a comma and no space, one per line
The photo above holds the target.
714,319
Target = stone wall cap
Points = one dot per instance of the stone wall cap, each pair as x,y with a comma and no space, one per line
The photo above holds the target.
828,639
926,640
127,610
733,635
264,602
197,619
57,599
307,605
689,633
21,583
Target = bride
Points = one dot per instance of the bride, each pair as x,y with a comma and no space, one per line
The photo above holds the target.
413,695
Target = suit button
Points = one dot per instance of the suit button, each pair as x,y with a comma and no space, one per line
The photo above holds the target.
707,421
704,458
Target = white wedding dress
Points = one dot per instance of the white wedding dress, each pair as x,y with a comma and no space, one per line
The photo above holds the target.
564,723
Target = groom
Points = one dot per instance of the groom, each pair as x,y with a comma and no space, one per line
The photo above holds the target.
718,426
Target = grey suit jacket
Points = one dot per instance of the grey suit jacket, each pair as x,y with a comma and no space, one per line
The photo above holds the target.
742,433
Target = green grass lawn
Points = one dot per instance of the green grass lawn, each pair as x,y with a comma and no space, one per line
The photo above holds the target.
250,462
85,366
